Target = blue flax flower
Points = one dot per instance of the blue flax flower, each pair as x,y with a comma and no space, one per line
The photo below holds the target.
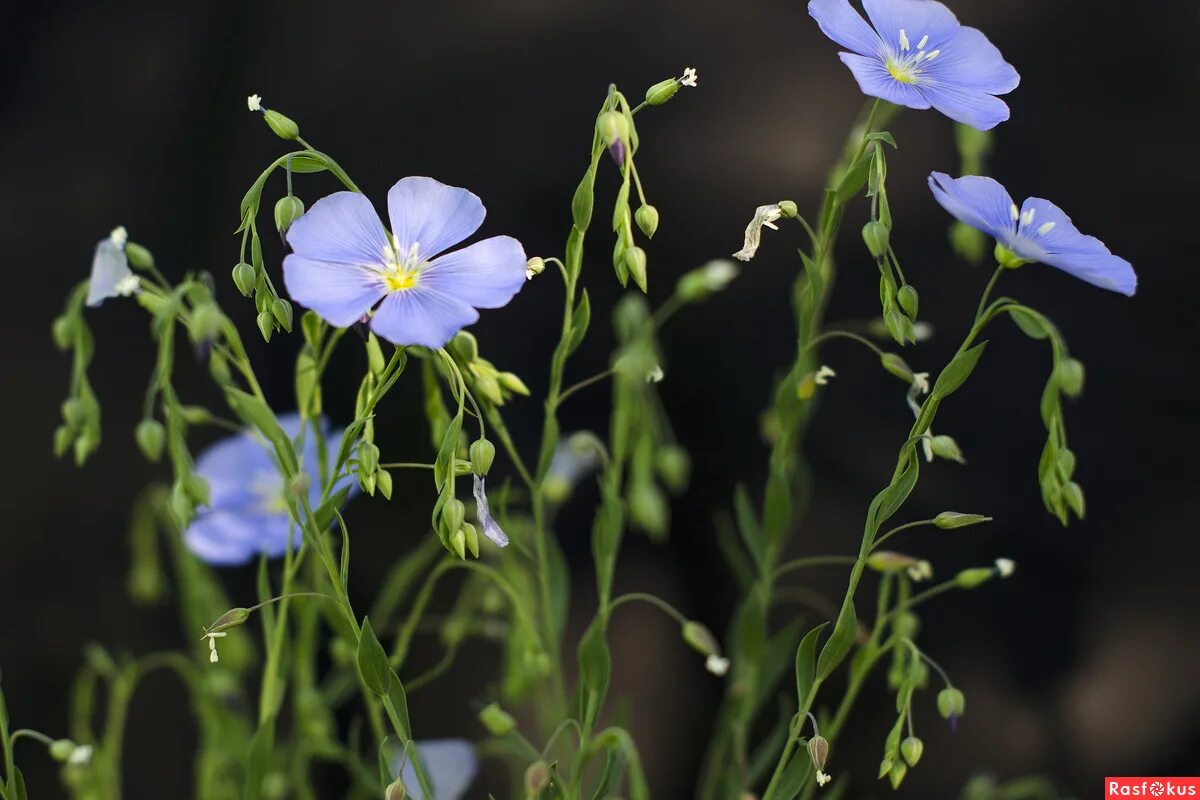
344,263
450,765
919,56
247,513
111,276
1038,231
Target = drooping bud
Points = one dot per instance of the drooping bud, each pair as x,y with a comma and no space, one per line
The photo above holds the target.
612,127
395,791
512,382
787,209
383,482
1069,374
700,638
206,323
673,465
948,520
951,704
498,721
150,436
648,508
537,778
888,561
138,256
907,296
197,489
61,749
230,619
912,748
244,278
897,366
700,283
266,325
876,237
483,453
635,262
283,127
287,210
946,447
646,218
453,514
534,266
818,751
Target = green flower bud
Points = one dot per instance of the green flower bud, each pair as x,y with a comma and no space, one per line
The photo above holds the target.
648,508
465,346
283,127
266,325
907,296
138,256
635,262
383,481
458,543
150,436
282,310
483,453
888,561
534,266
230,619
646,218
885,767
876,236
612,127
948,520
207,320
395,791
971,578
197,489
63,437
899,770
673,465
375,360
63,331
946,447
700,283
897,366
453,514
512,383
61,749
700,638
287,210
244,278
498,721
1073,493
662,91
1069,374
74,412
912,748
471,536
788,210
951,703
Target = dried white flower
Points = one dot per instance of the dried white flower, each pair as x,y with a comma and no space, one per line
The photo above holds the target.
717,665
689,77
764,217
823,778
254,103
1006,567
823,375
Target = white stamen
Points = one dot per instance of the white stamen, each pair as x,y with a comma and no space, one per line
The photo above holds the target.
924,41
412,258
717,665
254,103
1027,217
932,55
823,375
119,236
904,45
922,331
689,77
655,375
920,571
80,756
920,382
127,286
1006,567
213,658
1046,228
1014,212
823,778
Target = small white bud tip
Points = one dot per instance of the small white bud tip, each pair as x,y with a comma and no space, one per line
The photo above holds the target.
823,375
80,756
689,77
920,571
717,665
254,103
823,778
655,375
119,236
127,286
1006,567
921,382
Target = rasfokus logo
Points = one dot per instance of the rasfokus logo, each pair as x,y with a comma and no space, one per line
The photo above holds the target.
1151,787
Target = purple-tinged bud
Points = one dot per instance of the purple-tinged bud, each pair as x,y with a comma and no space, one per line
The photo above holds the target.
951,705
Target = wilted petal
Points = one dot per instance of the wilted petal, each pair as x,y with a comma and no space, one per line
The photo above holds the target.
486,275
432,215
491,529
980,202
840,22
342,228
109,268
450,765
875,81
917,18
422,316
339,293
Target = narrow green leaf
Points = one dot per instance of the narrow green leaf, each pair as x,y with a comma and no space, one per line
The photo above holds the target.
840,641
373,661
579,323
957,371
806,664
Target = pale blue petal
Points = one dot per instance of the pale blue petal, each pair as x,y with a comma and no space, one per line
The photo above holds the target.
342,228
340,293
422,316
875,81
1051,238
109,267
486,275
450,765
982,203
227,538
970,61
840,22
917,18
971,107
431,215
231,466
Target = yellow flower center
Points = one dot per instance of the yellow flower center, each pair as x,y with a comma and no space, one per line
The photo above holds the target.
400,279
402,272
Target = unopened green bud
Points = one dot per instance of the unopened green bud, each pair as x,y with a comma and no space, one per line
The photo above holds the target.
150,436
498,721
453,514
946,447
266,325
700,638
74,412
383,481
1073,493
197,489
646,218
971,578
948,520
138,256
876,236
897,366
648,508
635,262
818,751
888,561
912,748
465,346
885,767
375,360
951,703
483,453
537,778
612,127
513,383
700,283
788,210
899,770
673,466
61,749
63,331
206,323
907,296
230,619
283,127
287,210
1069,374
458,543
534,266
662,91
282,310
898,325
244,278
395,791
63,437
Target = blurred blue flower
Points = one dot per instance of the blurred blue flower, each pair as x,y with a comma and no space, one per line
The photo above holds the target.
344,263
1039,231
247,513
919,56
111,276
450,765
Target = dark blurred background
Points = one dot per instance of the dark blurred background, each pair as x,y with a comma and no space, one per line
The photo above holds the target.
1085,664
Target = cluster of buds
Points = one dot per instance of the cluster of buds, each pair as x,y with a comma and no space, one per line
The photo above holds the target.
489,383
